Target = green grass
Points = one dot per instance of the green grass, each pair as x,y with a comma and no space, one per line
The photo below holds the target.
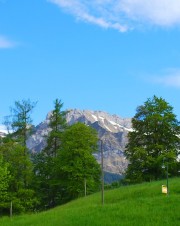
142,204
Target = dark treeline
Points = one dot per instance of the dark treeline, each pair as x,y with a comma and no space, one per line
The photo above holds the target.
62,171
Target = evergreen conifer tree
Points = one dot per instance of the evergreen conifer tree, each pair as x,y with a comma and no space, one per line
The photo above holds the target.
47,183
16,154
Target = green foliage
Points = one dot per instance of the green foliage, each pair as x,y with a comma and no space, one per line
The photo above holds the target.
24,200
4,184
76,163
21,119
19,168
57,124
44,180
155,136
16,153
47,184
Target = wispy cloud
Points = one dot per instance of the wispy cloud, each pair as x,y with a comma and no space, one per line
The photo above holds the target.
171,78
6,43
123,15
94,12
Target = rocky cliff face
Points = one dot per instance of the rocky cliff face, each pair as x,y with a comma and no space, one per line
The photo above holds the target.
112,130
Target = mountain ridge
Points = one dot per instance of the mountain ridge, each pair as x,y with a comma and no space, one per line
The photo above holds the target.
112,130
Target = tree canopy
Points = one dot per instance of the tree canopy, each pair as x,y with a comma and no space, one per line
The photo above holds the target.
76,162
155,136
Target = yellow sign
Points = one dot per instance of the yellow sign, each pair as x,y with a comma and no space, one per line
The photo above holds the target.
164,189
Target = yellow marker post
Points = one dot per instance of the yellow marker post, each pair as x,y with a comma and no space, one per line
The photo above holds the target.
164,189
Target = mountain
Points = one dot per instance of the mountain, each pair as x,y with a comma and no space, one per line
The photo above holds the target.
112,130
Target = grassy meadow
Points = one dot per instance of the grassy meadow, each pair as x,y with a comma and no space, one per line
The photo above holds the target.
142,204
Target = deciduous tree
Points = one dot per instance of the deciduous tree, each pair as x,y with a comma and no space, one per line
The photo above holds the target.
155,136
20,181
76,162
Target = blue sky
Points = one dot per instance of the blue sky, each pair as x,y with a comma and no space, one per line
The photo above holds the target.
108,55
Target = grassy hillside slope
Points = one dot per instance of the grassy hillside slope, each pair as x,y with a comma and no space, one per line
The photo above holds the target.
142,204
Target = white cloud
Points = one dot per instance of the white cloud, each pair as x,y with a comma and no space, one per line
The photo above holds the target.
158,12
171,78
123,14
94,12
5,43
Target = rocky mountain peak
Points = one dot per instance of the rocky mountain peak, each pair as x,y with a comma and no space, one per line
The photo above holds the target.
111,123
112,130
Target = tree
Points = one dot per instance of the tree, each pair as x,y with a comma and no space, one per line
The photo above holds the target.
21,125
47,184
155,136
15,152
21,120
4,185
76,163
57,125
20,178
